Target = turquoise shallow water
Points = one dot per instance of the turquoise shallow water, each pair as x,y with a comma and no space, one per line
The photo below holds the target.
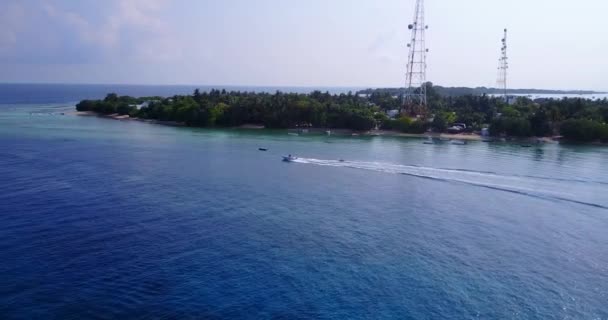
109,219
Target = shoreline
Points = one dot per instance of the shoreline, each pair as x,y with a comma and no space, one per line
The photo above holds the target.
347,132
389,133
469,137
125,117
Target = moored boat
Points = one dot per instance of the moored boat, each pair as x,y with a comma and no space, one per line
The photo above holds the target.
429,140
459,142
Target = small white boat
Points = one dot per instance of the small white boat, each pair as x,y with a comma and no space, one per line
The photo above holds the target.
459,142
289,158
429,140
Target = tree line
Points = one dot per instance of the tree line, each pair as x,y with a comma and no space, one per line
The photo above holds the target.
574,118
228,109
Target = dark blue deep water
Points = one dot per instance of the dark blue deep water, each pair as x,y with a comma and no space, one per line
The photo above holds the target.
104,219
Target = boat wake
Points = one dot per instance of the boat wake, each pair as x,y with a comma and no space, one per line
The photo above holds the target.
547,188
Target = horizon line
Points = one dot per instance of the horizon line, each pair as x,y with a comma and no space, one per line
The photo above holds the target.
220,86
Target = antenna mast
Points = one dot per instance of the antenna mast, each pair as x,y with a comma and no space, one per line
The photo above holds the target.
415,79
503,67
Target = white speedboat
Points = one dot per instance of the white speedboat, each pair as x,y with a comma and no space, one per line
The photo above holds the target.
289,158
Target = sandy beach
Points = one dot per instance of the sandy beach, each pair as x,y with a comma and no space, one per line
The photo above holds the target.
468,137
117,116
338,132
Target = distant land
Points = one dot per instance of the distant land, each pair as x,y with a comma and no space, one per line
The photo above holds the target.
32,93
462,91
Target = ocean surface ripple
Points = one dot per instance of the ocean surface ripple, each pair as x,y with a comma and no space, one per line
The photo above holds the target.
103,219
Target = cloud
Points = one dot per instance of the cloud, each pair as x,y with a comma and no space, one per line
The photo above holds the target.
64,32
11,17
86,31
155,38
383,49
7,39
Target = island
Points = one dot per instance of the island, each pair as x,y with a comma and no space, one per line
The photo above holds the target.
461,91
372,112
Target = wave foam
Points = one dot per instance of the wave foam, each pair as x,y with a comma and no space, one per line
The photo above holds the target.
547,188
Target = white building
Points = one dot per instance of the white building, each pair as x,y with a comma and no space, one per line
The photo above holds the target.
392,113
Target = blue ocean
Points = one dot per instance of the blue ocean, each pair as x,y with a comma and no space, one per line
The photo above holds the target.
107,219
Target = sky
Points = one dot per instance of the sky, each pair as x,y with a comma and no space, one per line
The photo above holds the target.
553,44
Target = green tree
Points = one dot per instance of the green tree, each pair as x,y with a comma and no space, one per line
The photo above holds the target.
584,130
216,114
111,97
123,108
439,123
517,127
510,112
